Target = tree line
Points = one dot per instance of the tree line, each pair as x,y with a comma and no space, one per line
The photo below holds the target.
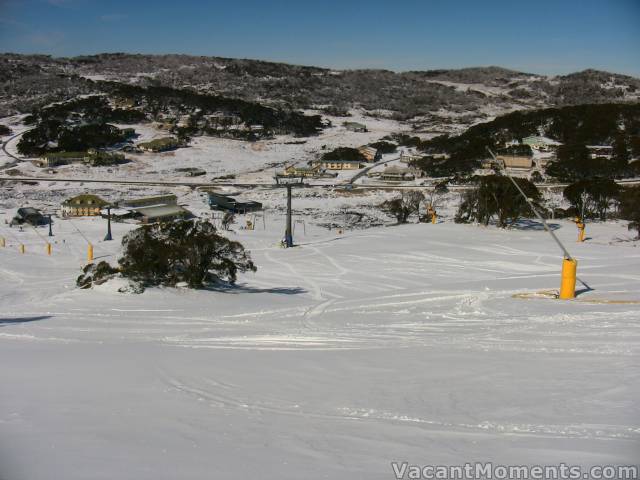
163,99
495,199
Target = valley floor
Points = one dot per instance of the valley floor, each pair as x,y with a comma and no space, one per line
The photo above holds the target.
336,358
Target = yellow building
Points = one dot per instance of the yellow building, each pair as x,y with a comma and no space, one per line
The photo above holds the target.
341,164
302,171
85,205
516,161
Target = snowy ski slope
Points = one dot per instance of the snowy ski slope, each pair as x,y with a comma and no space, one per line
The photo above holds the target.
336,358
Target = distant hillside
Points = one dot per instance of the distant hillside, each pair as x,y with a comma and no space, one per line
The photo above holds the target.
32,80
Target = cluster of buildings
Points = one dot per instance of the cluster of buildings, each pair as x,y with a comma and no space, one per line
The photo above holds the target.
173,118
543,150
323,168
159,208
540,152
144,210
404,171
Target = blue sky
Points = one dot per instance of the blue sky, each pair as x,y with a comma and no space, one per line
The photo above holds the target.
543,36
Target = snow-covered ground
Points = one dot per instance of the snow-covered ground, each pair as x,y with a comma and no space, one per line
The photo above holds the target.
336,358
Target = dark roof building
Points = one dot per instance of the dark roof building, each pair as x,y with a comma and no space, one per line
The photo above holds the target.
355,126
29,215
149,201
159,145
225,202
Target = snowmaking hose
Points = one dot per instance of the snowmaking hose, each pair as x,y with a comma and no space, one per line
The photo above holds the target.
569,264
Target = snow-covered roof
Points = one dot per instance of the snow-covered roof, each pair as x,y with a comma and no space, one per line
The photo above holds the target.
541,139
161,211
116,211
396,169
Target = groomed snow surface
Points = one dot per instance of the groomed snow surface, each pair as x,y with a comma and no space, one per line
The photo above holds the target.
336,358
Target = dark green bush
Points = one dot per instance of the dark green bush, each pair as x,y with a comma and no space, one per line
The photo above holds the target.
344,153
188,251
630,208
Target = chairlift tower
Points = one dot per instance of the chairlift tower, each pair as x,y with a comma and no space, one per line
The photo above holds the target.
108,235
289,183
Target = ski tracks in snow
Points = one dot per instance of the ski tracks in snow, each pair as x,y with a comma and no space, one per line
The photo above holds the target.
219,395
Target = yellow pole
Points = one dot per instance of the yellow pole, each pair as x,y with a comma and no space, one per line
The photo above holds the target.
49,248
568,285
2,242
90,253
21,248
434,218
581,226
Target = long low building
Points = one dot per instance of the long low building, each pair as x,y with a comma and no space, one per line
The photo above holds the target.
159,208
148,201
516,161
160,213
340,164
394,174
160,144
92,157
302,171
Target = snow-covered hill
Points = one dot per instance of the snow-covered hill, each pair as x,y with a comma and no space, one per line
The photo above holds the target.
28,81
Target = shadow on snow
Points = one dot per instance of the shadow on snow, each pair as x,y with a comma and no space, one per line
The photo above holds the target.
11,321
229,288
530,224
